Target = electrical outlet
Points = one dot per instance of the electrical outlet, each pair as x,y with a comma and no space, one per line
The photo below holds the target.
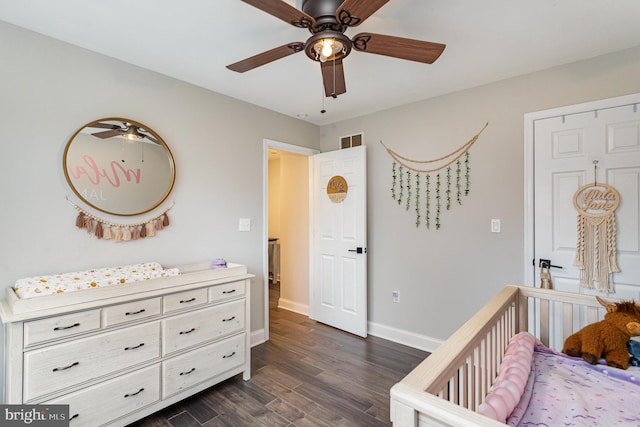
395,296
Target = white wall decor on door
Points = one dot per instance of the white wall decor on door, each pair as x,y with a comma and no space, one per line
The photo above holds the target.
596,247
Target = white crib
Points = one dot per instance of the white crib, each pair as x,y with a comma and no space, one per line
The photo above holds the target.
449,385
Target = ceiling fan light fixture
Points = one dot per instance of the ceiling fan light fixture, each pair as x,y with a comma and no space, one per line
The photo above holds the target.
132,134
328,46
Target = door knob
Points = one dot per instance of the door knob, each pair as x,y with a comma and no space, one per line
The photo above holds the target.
359,250
547,263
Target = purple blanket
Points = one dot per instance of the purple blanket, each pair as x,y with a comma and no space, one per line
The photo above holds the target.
567,391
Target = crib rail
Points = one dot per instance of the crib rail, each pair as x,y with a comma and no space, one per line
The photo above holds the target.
448,386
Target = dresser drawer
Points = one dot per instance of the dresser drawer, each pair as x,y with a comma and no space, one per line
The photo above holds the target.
185,330
59,366
226,290
112,399
60,326
187,370
122,313
184,300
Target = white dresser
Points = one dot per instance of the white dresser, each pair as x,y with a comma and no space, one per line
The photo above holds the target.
119,353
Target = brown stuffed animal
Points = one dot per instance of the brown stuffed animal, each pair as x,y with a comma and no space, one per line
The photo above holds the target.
608,337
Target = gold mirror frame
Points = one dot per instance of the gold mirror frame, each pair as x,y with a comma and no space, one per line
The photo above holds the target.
119,166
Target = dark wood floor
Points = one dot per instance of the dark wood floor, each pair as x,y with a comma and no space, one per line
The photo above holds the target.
307,374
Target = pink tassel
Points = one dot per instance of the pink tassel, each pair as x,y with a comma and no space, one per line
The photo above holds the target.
126,234
165,221
99,231
88,224
136,233
158,222
118,237
80,220
106,232
152,229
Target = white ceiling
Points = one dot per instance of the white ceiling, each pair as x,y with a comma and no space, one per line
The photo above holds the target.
193,40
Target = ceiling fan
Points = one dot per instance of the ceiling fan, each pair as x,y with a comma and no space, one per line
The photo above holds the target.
128,131
327,20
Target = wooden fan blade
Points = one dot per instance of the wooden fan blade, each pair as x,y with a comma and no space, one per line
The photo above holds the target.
266,57
284,11
150,138
103,126
107,133
333,78
354,12
398,47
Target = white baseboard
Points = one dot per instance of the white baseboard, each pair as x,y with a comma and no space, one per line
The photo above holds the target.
296,307
411,339
400,336
257,337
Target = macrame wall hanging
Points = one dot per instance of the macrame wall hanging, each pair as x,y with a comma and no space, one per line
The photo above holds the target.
119,232
596,247
443,178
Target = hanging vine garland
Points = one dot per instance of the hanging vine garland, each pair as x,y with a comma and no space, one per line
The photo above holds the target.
412,167
117,232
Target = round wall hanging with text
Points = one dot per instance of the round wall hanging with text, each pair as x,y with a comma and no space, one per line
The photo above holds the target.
337,189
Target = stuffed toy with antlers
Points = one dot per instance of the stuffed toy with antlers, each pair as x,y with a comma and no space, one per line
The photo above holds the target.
607,338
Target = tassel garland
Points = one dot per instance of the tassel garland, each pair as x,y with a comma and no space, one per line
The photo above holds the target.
106,230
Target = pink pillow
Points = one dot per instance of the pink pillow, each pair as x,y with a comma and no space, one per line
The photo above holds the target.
512,378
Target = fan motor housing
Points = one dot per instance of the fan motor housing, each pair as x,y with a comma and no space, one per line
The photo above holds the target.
324,12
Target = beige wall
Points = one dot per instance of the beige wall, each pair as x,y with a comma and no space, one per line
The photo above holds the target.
49,89
444,276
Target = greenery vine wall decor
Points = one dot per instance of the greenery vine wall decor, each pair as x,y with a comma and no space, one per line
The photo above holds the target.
405,170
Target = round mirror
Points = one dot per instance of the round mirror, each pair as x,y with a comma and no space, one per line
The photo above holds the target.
119,166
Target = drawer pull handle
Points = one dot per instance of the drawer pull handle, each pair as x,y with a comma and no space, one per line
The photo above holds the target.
229,292
187,332
133,394
226,356
134,347
229,319
184,301
188,372
74,416
131,313
66,367
62,328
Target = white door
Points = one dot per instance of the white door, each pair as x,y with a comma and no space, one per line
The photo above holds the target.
339,250
568,144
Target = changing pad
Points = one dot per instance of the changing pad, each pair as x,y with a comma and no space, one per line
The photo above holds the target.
67,282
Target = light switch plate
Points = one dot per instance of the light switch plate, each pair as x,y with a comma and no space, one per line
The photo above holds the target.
244,224
495,225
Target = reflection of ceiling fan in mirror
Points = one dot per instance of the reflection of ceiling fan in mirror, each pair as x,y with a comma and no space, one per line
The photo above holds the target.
327,20
127,131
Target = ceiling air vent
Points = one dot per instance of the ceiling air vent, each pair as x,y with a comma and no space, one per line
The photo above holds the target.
349,141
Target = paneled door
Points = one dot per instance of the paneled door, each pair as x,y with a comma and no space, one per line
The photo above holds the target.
339,255
574,146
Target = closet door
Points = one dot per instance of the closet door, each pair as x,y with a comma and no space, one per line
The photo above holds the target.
570,151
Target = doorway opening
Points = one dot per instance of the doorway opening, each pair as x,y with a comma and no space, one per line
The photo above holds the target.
287,226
